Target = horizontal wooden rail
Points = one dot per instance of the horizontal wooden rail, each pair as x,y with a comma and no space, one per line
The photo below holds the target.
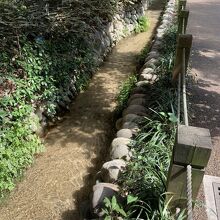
184,41
183,21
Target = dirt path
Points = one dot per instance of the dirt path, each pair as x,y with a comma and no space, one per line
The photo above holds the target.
204,25
76,148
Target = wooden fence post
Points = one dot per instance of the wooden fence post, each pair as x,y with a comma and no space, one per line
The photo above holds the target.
181,5
193,146
183,41
183,21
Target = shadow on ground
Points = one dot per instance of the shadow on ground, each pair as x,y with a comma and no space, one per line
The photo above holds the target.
205,107
205,90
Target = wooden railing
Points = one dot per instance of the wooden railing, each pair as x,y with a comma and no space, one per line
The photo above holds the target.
193,146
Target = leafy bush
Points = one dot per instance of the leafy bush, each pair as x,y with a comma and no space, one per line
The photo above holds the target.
142,25
38,75
17,147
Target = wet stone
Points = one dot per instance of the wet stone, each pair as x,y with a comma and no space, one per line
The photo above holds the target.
148,77
153,61
135,109
149,64
160,30
111,170
130,125
126,133
121,152
135,96
142,83
139,101
120,141
131,118
152,55
140,90
100,191
147,71
157,43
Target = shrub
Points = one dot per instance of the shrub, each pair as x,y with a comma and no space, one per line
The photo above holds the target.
142,25
17,147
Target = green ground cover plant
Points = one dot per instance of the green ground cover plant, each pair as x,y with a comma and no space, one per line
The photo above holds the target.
39,74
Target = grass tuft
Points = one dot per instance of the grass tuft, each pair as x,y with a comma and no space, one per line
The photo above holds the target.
142,25
124,92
